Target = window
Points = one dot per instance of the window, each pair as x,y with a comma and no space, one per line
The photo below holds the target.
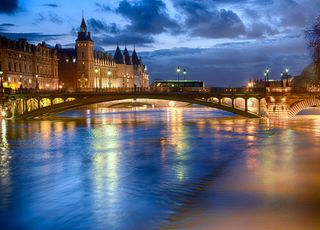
82,54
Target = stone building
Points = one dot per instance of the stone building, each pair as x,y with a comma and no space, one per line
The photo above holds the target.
24,65
84,68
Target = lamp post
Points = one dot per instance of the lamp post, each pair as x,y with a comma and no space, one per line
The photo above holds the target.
287,77
20,81
96,70
37,81
109,78
184,74
266,75
282,74
1,82
178,72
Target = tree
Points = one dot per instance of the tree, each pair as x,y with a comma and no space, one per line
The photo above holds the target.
312,35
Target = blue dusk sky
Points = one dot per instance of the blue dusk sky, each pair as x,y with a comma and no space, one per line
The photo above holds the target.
224,42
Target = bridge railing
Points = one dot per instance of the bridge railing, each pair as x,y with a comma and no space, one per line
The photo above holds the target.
236,90
86,90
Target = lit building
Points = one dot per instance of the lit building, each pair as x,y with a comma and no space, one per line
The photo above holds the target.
24,65
85,68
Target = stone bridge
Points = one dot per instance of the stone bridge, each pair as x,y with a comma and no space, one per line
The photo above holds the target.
281,102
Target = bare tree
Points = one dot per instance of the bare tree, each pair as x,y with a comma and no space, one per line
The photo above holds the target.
312,35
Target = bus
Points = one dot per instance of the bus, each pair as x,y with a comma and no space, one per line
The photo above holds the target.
178,86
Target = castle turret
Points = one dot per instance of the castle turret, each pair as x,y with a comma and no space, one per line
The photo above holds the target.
85,59
135,59
126,56
118,58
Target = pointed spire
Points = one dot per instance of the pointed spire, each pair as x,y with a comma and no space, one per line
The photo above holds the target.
135,59
126,56
83,26
118,58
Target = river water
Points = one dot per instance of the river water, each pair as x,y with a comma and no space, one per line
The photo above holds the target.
177,168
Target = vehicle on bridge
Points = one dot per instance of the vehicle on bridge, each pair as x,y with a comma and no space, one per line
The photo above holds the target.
178,86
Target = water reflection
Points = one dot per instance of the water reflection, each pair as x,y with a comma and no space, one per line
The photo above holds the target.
111,169
106,146
274,187
5,159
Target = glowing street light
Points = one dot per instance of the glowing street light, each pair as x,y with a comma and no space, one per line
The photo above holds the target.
287,76
178,72
37,81
109,80
96,70
266,75
1,83
184,74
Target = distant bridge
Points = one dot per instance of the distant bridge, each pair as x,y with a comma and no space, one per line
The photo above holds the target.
281,102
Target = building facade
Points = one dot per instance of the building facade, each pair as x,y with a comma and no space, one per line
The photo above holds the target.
84,68
27,66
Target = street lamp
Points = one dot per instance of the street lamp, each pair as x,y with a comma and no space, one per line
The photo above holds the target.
178,72
266,75
21,86
1,83
184,74
109,78
287,76
96,70
37,81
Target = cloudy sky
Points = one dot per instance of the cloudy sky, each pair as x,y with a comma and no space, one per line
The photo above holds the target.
224,42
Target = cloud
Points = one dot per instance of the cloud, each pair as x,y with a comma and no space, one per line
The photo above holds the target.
32,37
219,66
8,6
105,34
205,20
51,5
4,26
147,17
102,7
99,26
48,16
141,40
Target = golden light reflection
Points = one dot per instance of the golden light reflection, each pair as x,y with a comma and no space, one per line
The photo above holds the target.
5,159
45,132
107,146
178,137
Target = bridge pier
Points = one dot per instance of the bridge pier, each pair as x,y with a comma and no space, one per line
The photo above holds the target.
278,106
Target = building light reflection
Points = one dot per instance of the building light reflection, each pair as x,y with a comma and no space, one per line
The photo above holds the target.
5,159
107,146
178,137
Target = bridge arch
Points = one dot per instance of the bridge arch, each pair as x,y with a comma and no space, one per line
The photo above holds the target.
226,101
301,105
240,102
57,100
213,99
69,105
253,104
32,104
44,102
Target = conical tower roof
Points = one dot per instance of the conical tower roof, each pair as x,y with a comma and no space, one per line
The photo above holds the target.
126,56
135,59
118,56
83,26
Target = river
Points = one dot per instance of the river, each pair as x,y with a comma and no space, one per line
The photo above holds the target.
177,168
